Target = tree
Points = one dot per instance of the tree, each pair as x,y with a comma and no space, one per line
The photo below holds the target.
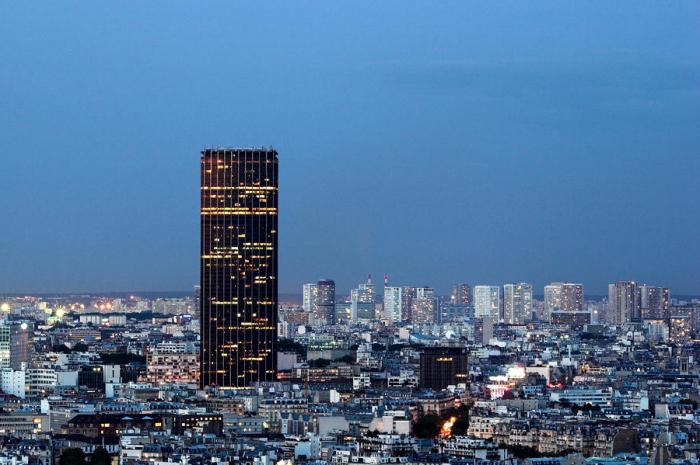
461,426
319,363
290,345
100,457
121,358
72,456
427,426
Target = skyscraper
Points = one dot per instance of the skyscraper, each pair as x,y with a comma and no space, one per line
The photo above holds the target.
310,291
325,302
392,304
623,306
424,306
487,302
571,297
552,299
653,302
461,294
239,191
517,303
16,345
563,297
408,293
362,301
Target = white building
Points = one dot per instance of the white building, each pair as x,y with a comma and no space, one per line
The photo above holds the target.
487,301
517,303
392,304
310,292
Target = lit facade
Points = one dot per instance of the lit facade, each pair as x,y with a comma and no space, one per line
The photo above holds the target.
166,364
563,297
309,293
362,301
239,192
517,303
424,306
325,303
16,346
443,366
654,302
392,304
487,302
461,294
623,306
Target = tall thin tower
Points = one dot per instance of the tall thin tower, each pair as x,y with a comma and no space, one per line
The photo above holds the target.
239,190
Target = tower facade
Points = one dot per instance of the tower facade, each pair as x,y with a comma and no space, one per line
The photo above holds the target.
487,302
325,301
239,190
623,306
461,294
392,304
517,303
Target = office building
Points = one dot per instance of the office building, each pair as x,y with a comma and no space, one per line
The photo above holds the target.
443,366
424,306
392,304
324,308
517,303
362,301
487,302
309,293
16,346
239,195
407,295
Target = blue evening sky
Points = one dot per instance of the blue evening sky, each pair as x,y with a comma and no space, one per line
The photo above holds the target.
483,142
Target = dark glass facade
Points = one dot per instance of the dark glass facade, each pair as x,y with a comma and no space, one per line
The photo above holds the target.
443,366
239,191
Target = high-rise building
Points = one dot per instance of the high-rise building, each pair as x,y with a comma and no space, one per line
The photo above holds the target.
552,299
461,294
325,302
487,302
407,295
16,346
571,297
443,366
392,304
310,291
116,305
517,303
623,306
424,306
563,297
483,329
362,301
239,195
654,302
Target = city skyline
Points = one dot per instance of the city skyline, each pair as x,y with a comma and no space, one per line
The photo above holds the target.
365,233
536,152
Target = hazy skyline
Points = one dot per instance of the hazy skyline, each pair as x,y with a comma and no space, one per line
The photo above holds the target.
436,142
